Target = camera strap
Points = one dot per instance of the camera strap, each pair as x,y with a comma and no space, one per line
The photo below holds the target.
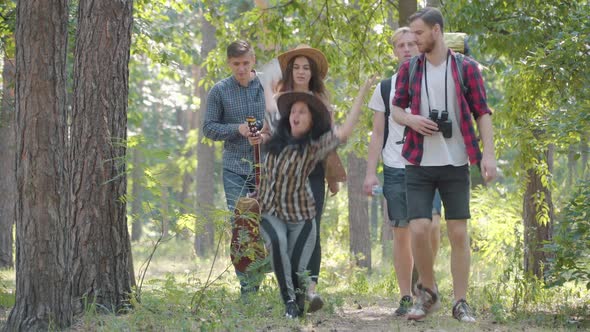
426,84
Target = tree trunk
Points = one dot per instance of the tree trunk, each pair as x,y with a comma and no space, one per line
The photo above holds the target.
406,9
584,151
538,215
374,215
358,213
433,3
572,166
7,164
43,279
100,240
206,156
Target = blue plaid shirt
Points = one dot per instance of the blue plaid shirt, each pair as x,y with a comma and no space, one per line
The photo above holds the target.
228,105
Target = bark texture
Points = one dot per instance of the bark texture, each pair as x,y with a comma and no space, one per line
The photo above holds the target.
358,213
42,273
406,8
537,204
100,240
7,164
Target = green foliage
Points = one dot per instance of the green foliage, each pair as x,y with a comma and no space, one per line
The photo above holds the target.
571,245
7,296
535,55
163,107
360,284
538,47
7,27
496,227
160,31
354,39
536,58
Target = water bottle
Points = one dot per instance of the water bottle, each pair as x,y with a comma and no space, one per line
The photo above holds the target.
377,190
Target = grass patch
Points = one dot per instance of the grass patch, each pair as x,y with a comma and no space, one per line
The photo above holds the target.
177,296
355,300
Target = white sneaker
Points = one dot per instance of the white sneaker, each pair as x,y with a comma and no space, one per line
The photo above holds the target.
462,312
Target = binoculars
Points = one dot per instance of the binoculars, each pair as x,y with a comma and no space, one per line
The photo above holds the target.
443,122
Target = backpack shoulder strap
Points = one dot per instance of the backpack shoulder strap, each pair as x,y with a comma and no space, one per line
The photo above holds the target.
459,58
385,93
413,68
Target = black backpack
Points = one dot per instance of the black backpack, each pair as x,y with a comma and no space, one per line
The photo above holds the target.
385,92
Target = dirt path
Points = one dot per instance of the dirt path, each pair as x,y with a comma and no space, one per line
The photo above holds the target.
379,316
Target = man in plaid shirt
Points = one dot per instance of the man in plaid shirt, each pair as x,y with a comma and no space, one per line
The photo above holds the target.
229,102
439,146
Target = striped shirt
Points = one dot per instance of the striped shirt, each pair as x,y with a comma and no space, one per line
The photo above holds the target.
228,105
285,191
472,102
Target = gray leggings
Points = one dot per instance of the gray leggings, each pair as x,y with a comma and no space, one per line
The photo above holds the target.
291,245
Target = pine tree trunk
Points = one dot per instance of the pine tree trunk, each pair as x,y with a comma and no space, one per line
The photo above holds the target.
7,164
406,9
358,213
572,166
537,204
100,240
433,3
584,151
204,242
43,278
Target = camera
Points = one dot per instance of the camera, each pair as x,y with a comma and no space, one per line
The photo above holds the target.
253,125
443,122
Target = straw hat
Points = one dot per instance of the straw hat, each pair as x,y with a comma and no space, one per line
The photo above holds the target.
286,100
316,55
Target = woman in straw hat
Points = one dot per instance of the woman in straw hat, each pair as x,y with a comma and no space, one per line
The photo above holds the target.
302,139
304,69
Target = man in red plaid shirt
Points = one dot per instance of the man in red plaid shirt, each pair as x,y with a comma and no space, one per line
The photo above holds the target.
439,145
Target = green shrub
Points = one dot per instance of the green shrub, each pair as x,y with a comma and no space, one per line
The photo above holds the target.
571,245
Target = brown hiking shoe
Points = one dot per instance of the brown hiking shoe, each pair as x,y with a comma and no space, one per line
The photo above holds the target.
315,302
427,302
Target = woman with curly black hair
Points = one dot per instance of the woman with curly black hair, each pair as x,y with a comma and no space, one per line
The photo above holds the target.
302,138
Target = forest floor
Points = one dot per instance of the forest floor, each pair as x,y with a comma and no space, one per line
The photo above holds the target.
363,315
355,301
377,315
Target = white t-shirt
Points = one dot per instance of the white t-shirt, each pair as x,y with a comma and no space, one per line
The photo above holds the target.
392,153
440,151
